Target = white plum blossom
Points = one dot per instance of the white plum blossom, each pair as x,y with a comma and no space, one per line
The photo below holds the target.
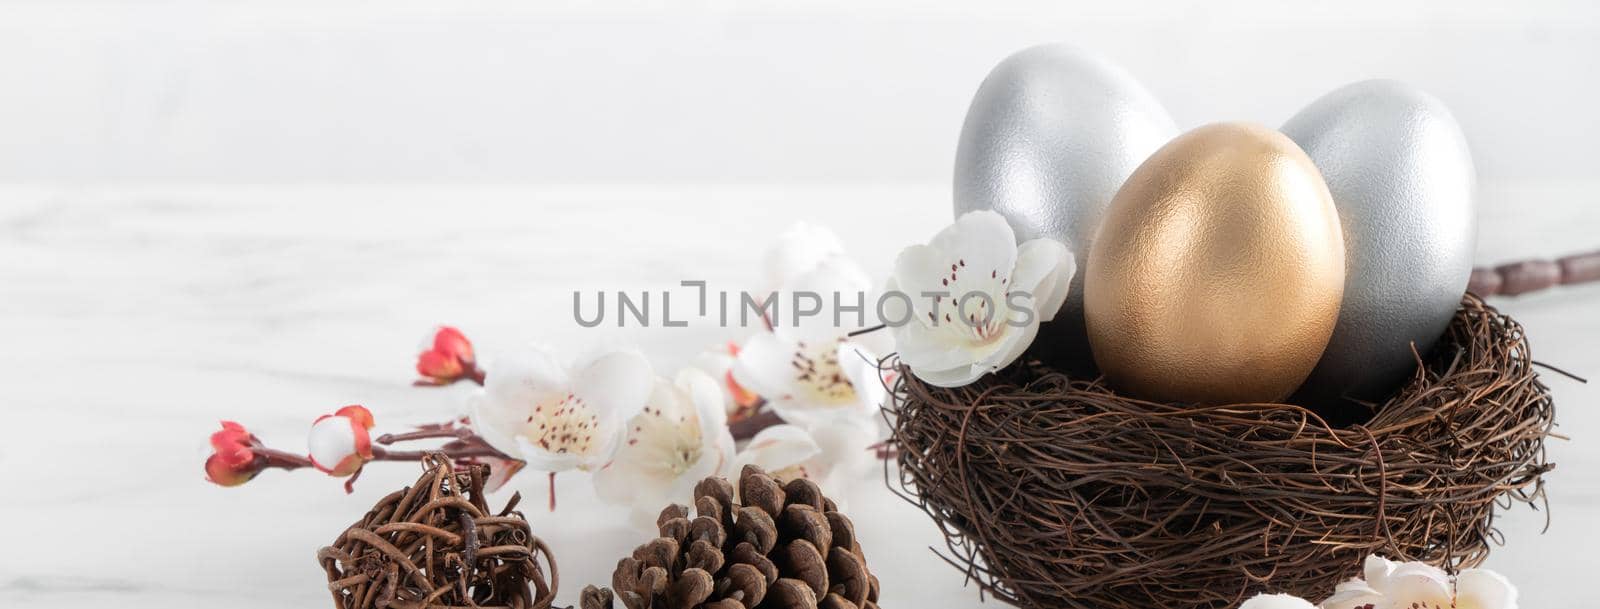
976,298
1415,584
809,383
533,407
737,401
808,368
808,263
679,438
1412,585
834,455
799,250
781,450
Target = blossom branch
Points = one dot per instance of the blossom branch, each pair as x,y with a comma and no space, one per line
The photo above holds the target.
428,432
340,447
1534,275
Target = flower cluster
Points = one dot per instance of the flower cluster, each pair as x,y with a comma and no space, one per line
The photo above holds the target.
339,444
803,397
803,394
1385,584
648,439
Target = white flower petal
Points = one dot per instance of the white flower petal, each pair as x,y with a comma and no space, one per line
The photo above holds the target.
1354,594
896,310
764,366
717,446
846,448
705,394
513,387
490,422
922,347
1044,268
718,363
331,440
951,342
1376,570
617,383
777,447
1012,345
817,288
679,438
849,388
1484,589
711,463
950,377
615,386
545,461
1276,601
860,367
981,239
525,377
919,272
1417,584
797,250
619,482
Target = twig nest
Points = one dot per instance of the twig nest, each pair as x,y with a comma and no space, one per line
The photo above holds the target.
1056,492
777,546
436,544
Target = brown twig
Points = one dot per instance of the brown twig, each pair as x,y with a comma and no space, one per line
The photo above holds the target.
282,460
432,431
464,448
748,427
1534,275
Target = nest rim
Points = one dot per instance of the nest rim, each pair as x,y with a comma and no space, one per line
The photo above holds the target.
1056,492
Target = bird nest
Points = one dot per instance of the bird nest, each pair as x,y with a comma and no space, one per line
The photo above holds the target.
1057,492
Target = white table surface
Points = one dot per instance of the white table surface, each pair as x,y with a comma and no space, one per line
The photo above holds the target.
134,318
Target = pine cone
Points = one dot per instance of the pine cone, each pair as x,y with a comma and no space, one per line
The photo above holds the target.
784,546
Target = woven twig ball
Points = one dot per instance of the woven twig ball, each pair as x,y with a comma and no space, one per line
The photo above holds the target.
1057,492
436,545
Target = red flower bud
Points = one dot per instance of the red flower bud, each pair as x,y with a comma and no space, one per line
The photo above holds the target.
341,442
233,459
449,359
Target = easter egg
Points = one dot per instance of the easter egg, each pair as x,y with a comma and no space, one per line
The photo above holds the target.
1402,179
1217,272
1051,134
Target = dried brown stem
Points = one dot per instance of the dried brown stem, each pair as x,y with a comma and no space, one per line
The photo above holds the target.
748,427
435,431
1535,275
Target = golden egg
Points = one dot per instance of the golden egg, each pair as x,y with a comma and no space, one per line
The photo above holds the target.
1217,273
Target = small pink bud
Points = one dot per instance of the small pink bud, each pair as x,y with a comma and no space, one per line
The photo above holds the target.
340,443
233,460
449,359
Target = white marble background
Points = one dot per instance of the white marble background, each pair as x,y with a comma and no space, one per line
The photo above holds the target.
255,210
135,318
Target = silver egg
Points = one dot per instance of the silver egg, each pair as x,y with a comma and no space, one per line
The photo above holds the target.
1402,179
1049,138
